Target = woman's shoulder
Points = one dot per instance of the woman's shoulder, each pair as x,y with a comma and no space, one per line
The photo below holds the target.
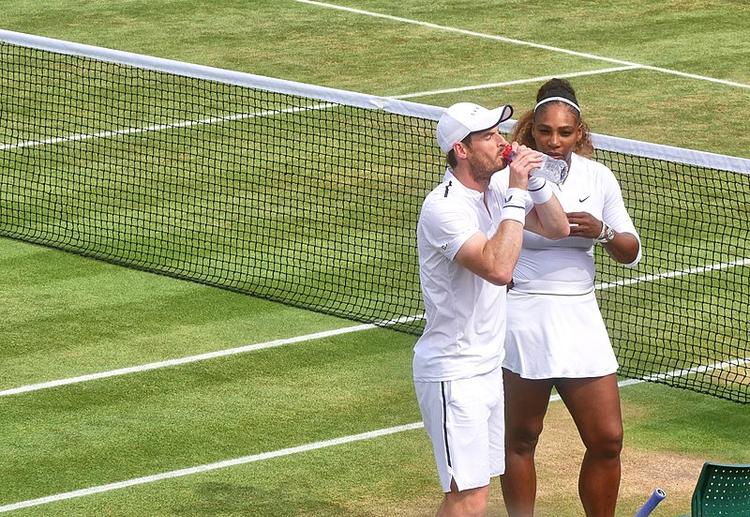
592,167
588,163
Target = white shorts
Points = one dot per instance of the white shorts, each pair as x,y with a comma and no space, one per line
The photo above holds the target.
554,336
465,421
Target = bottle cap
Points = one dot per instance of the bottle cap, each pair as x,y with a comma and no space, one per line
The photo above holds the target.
507,153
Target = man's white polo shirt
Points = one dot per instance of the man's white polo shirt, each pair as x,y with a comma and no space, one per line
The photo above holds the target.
465,314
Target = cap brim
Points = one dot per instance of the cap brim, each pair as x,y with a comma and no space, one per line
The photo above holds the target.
468,118
503,113
495,117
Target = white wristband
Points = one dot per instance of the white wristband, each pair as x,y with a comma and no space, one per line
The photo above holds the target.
540,190
514,207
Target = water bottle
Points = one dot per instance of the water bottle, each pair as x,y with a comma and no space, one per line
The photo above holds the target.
552,169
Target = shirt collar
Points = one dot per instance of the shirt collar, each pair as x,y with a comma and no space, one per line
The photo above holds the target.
455,184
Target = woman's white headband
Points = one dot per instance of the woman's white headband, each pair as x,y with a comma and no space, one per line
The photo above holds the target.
560,99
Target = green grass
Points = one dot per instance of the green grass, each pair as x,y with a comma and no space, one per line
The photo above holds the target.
284,207
63,315
386,57
137,425
685,422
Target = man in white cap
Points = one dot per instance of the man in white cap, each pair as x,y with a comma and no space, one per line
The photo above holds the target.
469,237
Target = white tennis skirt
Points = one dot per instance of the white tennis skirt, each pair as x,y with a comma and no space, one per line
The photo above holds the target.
552,336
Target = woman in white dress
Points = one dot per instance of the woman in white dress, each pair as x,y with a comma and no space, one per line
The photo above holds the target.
556,336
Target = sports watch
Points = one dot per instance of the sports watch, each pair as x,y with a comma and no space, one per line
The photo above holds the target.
606,235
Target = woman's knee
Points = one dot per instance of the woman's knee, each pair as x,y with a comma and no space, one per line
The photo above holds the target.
606,444
523,438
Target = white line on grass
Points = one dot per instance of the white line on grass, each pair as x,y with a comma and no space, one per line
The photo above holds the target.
522,42
320,335
517,81
208,467
307,447
722,365
112,133
206,356
674,274
158,127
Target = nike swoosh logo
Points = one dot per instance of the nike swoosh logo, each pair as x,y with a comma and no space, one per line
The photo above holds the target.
581,200
507,199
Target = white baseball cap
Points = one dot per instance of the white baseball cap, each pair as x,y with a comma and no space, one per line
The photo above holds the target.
463,118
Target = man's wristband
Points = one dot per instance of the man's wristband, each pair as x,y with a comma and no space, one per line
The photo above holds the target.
514,207
540,190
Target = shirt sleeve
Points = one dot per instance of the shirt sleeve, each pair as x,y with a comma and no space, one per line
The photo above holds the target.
447,226
614,212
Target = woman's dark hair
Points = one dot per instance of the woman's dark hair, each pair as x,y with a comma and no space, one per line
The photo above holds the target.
553,88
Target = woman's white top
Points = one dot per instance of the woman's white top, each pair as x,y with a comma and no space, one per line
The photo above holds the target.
555,328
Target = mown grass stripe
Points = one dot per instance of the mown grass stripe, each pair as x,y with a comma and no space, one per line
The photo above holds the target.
207,467
203,357
308,447
324,334
514,41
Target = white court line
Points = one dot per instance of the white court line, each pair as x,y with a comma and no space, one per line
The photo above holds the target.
320,335
243,116
522,42
305,448
204,357
674,274
517,81
159,127
722,365
208,467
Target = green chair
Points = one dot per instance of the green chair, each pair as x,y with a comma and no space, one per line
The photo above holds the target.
722,490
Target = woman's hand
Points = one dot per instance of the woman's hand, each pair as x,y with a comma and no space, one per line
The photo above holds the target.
583,224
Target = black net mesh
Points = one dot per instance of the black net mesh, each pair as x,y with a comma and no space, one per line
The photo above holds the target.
315,204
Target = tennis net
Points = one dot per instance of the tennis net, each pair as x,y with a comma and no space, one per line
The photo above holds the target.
310,196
